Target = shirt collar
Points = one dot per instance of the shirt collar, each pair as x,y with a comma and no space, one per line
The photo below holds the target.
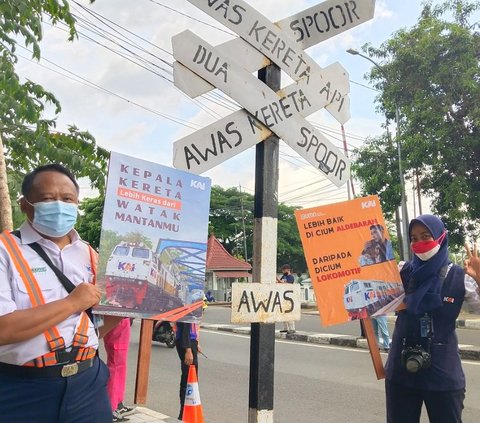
30,235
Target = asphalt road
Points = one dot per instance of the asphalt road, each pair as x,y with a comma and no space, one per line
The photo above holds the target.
312,323
313,383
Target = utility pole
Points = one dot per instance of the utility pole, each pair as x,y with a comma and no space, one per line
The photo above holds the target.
262,339
350,187
243,225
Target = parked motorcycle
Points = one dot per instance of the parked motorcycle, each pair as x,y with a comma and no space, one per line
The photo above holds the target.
163,332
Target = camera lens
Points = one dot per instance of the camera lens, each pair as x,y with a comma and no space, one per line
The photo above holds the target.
414,363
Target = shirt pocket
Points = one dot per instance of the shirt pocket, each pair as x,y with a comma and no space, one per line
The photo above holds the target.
48,283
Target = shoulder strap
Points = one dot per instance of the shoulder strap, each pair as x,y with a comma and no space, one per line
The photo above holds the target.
52,335
67,284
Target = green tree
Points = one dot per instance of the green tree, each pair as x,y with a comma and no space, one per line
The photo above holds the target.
289,245
380,154
231,209
29,138
226,223
89,224
431,72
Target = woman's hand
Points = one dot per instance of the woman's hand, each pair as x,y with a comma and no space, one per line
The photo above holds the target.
472,263
188,357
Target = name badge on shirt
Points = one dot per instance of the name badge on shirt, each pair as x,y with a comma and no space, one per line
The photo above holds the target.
98,320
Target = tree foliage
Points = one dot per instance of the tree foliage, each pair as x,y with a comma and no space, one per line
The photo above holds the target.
89,224
29,137
431,73
380,154
227,219
231,209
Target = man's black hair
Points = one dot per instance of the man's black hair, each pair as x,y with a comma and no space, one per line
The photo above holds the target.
52,167
377,226
286,266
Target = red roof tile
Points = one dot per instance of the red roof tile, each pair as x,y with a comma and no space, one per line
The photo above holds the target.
220,259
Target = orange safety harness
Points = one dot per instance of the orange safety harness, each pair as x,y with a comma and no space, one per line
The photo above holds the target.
55,341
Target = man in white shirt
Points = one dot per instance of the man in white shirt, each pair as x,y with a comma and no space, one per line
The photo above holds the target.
49,369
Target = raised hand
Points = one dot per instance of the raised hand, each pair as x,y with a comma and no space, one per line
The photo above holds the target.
472,263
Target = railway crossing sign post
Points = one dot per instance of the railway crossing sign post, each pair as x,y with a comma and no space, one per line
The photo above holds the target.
269,113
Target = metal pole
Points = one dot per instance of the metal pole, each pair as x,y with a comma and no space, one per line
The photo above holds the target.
403,199
405,252
345,149
262,338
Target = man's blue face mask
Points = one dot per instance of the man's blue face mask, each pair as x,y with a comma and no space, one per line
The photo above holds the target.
54,218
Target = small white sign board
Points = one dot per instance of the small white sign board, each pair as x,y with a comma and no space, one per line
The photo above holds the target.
265,302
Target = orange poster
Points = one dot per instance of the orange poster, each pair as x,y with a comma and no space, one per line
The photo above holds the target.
350,259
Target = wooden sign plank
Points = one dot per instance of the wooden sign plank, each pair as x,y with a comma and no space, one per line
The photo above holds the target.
327,19
224,139
373,347
265,302
265,36
236,49
280,115
143,361
310,27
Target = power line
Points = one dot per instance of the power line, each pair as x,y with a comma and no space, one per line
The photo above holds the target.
91,84
191,17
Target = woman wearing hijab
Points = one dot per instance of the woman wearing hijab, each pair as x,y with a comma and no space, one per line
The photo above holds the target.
424,365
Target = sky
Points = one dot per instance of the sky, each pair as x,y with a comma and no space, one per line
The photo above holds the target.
115,81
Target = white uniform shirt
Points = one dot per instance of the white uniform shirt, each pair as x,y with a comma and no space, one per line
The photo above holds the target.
73,261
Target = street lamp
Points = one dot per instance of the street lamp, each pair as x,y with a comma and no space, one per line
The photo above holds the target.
403,200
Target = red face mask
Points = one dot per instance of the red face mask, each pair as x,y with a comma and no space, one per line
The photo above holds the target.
425,250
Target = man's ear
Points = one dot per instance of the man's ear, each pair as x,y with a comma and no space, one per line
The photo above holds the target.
23,205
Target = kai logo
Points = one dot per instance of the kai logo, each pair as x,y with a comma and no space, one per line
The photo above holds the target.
127,267
39,269
197,185
368,204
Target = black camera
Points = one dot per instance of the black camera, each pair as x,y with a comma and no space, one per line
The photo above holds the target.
416,358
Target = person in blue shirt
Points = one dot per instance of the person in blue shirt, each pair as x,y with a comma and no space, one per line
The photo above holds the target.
186,342
377,233
287,277
424,366
370,254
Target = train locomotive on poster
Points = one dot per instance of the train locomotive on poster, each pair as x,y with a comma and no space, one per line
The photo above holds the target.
362,298
136,279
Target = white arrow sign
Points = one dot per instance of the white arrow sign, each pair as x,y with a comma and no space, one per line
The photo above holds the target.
224,139
280,114
308,28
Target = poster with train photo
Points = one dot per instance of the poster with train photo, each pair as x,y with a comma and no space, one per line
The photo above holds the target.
350,259
153,243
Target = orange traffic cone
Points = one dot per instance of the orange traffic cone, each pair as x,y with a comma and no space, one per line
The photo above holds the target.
192,410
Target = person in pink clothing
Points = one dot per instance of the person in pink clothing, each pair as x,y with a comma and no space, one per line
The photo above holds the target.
117,342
